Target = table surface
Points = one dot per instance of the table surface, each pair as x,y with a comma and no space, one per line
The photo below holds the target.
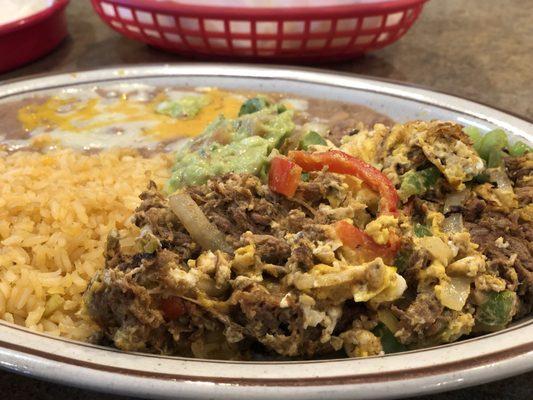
479,49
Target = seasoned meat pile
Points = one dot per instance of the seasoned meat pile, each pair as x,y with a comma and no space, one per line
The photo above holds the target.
505,236
379,241
174,299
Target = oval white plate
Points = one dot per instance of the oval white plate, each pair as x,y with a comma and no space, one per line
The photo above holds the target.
468,362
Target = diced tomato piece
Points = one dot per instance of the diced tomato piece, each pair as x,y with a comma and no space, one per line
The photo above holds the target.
173,307
342,163
284,176
354,238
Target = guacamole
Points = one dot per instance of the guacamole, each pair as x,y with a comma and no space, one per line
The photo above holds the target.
241,145
184,108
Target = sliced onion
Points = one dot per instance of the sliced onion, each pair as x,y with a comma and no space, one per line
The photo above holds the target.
307,281
453,223
437,248
390,321
454,293
454,200
194,220
498,176
395,290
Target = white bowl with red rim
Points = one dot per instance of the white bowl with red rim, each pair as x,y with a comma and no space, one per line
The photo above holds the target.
32,35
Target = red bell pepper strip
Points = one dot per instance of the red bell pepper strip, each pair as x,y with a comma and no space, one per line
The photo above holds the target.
173,307
339,162
342,163
284,176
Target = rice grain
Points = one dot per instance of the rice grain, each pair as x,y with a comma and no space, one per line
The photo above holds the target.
56,210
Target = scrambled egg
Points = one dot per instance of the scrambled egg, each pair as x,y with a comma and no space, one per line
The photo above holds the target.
380,228
339,282
442,143
450,154
366,143
461,325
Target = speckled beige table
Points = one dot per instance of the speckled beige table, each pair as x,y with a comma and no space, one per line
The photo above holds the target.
480,49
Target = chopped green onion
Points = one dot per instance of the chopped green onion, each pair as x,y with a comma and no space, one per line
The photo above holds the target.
475,135
254,105
311,138
421,230
519,149
495,158
418,182
401,262
490,146
389,343
497,310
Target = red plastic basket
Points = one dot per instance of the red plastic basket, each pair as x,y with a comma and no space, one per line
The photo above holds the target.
296,33
29,38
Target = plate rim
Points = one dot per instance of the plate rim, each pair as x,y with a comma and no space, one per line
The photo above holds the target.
520,360
116,68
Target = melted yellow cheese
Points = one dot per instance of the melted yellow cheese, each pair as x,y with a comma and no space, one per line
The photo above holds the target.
113,115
